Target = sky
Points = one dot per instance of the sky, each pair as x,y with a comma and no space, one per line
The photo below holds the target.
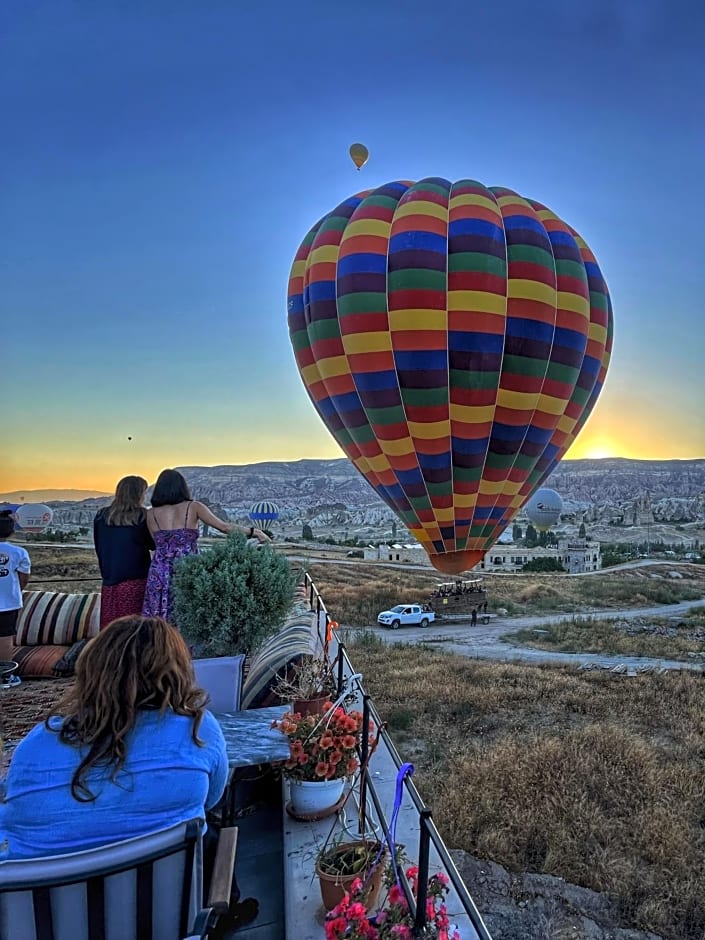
160,163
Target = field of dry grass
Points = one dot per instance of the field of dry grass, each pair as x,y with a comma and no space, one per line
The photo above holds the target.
682,640
355,594
589,776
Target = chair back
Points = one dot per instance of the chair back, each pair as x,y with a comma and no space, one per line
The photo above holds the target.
221,678
146,888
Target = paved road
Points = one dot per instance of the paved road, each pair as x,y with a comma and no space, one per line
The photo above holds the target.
483,641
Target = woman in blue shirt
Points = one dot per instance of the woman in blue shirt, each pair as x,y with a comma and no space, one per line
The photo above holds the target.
130,749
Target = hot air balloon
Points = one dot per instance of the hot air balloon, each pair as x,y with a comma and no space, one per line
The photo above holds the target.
263,513
544,508
454,339
34,517
359,154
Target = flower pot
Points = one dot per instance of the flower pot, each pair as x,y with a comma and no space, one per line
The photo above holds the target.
314,797
310,706
335,886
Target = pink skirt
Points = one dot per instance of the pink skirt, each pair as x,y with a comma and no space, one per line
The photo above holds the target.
121,600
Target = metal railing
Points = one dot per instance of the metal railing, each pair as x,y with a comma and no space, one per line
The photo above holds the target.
428,834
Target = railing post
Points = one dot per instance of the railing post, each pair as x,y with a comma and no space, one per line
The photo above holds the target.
424,841
364,754
341,667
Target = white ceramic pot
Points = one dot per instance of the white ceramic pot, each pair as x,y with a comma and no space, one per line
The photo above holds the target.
310,797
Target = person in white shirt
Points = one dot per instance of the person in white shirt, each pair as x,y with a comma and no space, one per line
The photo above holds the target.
15,567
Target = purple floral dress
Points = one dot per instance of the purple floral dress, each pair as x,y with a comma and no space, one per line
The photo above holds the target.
170,545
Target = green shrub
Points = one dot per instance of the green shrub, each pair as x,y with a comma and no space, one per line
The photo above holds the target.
543,564
230,598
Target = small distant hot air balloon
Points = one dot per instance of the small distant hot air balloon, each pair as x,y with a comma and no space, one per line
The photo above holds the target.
359,154
454,338
544,508
263,513
34,517
129,438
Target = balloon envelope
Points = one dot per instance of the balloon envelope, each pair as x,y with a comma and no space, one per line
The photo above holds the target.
454,339
359,154
34,517
264,512
544,508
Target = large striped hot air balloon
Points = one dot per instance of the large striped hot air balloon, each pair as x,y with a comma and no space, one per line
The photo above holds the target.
454,339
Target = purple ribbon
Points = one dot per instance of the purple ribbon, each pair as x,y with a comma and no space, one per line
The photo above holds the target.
390,840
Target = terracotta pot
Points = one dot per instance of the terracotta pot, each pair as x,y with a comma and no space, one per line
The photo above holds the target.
310,706
309,797
334,887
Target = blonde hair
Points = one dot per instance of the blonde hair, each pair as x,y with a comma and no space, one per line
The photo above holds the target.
126,508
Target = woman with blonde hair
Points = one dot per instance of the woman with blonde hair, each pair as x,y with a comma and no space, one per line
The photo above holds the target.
123,544
129,750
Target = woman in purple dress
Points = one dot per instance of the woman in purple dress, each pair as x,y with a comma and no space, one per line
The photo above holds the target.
173,523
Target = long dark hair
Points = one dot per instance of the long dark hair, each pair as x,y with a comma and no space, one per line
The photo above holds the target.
170,489
126,508
135,663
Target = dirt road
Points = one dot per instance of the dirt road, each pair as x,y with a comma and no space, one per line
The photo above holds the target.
483,641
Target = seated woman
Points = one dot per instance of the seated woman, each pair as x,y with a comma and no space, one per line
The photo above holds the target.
129,750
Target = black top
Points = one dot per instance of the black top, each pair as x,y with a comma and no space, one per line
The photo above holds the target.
122,550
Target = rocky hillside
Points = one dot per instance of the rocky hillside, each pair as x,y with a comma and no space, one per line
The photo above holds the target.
331,497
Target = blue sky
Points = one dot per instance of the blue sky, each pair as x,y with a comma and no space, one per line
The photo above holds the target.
162,161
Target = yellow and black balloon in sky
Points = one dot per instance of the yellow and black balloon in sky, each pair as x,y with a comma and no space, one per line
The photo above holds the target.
359,154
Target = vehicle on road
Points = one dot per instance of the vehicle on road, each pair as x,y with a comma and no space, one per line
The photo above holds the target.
406,615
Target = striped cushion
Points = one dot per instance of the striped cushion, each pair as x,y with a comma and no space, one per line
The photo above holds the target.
298,637
36,662
49,618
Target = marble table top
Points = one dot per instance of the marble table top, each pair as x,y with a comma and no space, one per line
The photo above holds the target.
249,737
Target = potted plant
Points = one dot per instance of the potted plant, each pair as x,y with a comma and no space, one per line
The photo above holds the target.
229,598
351,919
323,752
309,686
341,865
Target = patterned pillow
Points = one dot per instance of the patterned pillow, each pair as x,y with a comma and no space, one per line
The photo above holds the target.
36,662
49,618
298,637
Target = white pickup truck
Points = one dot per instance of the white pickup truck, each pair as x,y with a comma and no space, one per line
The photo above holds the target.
406,615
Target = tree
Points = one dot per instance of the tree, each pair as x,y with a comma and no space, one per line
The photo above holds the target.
306,533
581,531
531,538
230,598
517,533
543,565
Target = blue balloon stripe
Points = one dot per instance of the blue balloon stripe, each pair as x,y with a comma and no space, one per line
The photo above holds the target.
475,227
466,341
362,263
426,241
530,329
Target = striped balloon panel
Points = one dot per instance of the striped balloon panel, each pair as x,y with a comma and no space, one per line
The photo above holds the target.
477,320
592,374
316,336
454,338
563,365
365,331
418,332
520,429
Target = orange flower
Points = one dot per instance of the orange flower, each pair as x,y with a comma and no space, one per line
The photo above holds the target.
321,769
351,766
349,741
